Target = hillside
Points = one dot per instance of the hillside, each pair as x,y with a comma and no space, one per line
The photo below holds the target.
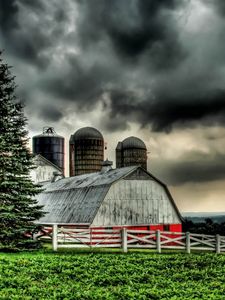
200,217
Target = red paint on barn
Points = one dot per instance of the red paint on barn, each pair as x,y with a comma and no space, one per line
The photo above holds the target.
175,227
161,227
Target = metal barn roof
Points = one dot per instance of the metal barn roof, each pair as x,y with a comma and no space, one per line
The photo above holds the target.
77,199
89,180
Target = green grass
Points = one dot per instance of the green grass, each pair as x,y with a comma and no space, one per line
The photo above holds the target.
107,275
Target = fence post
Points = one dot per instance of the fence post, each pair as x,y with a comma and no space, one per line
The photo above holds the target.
54,237
90,237
188,243
124,239
217,243
158,241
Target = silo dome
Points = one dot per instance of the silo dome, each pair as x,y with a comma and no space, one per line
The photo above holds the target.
86,151
87,133
133,142
130,152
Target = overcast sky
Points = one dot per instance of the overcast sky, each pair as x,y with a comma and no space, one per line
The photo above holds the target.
149,68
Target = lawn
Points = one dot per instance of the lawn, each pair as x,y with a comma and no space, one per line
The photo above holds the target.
72,275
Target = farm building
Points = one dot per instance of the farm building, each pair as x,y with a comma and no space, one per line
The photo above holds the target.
131,152
123,197
51,146
86,151
45,170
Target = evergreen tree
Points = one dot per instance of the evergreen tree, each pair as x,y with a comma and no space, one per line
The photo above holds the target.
18,207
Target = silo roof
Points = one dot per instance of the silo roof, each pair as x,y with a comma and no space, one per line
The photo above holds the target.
133,142
87,133
47,133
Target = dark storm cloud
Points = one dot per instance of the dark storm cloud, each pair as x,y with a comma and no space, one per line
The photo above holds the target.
8,14
26,29
132,56
190,168
166,111
133,28
81,85
49,113
219,5
120,33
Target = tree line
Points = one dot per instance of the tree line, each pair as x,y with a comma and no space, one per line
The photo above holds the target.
207,227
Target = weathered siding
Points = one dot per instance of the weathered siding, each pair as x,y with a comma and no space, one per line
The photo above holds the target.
132,202
43,173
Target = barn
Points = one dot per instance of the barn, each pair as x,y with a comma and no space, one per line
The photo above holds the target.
128,197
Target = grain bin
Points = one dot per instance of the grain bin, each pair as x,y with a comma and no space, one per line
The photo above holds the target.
51,146
130,152
86,151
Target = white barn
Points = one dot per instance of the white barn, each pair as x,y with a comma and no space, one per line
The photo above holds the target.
124,197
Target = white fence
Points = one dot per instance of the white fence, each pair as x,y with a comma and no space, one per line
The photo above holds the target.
69,237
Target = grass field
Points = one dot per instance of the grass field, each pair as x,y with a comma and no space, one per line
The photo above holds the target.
72,275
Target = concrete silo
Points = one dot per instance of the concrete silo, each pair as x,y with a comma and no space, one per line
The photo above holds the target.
51,146
86,151
130,152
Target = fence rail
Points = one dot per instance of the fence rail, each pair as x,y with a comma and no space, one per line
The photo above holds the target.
70,237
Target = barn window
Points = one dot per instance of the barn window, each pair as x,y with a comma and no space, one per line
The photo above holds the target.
166,227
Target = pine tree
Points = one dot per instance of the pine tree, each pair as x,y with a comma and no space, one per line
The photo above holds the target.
18,207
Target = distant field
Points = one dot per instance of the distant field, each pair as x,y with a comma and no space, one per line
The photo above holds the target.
112,276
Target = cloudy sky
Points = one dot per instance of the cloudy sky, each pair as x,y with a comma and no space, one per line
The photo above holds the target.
149,68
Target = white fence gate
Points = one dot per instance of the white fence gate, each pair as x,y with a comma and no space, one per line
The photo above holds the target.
72,237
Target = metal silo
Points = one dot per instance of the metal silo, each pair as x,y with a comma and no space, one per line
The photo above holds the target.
71,156
130,152
86,151
51,146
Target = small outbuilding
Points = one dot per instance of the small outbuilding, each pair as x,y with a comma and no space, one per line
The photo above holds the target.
44,170
123,197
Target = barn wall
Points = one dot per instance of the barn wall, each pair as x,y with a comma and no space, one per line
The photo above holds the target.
43,173
132,202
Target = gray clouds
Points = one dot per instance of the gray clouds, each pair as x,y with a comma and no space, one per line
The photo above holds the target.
84,50
192,167
169,110
29,29
157,64
133,29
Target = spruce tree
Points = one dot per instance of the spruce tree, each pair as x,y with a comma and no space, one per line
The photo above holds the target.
18,207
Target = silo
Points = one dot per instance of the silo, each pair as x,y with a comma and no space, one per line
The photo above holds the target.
119,155
51,146
86,151
71,156
130,152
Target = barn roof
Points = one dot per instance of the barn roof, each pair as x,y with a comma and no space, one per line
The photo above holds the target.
76,200
89,180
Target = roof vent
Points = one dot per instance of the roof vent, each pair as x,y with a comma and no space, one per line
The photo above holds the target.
57,176
106,166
